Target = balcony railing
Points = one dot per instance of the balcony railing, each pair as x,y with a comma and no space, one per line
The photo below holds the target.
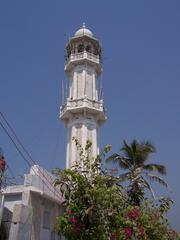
83,55
82,103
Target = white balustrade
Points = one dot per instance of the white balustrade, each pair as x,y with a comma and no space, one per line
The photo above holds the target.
81,103
83,55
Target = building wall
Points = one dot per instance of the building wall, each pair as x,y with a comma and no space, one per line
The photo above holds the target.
44,217
34,207
11,200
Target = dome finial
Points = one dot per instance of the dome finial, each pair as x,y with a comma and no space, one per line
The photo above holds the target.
84,25
83,31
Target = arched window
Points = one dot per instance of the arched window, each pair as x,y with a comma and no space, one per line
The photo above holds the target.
80,48
95,51
73,51
88,49
68,52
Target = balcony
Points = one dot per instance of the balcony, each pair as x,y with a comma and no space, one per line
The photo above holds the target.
80,57
81,106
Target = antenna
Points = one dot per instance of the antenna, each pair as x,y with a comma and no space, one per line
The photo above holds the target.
66,93
101,88
62,82
85,83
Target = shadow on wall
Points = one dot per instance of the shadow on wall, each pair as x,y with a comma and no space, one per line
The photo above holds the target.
5,224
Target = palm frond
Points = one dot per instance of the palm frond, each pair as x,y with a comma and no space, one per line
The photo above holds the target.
155,178
148,148
136,190
137,152
123,177
127,150
155,167
149,187
112,157
143,150
122,161
134,145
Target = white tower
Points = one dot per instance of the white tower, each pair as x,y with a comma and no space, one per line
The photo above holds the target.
82,111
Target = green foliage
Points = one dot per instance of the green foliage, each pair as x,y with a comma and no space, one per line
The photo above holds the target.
98,208
133,158
91,198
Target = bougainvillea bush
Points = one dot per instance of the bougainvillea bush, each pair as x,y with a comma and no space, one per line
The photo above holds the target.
97,206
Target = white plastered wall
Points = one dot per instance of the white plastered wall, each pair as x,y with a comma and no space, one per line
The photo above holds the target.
82,82
82,129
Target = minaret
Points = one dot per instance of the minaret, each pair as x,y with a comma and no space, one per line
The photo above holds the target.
82,111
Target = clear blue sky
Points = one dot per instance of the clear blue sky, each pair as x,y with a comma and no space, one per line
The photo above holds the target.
141,79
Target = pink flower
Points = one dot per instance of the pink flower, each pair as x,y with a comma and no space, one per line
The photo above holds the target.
141,229
70,211
73,220
134,214
128,232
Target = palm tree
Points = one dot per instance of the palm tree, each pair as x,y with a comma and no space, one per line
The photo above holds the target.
133,158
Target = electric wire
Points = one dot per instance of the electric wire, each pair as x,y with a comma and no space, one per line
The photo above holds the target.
28,154
12,175
17,138
15,144
54,192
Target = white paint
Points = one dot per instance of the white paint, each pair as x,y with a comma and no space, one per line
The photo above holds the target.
12,199
83,112
35,196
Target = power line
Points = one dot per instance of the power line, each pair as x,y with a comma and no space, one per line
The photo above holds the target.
12,175
17,138
27,161
56,193
15,144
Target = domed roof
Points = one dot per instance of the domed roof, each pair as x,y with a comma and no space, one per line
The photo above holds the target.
83,31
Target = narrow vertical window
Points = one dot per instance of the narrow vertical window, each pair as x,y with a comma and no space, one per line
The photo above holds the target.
46,220
79,85
89,85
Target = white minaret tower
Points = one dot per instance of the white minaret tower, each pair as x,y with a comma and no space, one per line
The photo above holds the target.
82,111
